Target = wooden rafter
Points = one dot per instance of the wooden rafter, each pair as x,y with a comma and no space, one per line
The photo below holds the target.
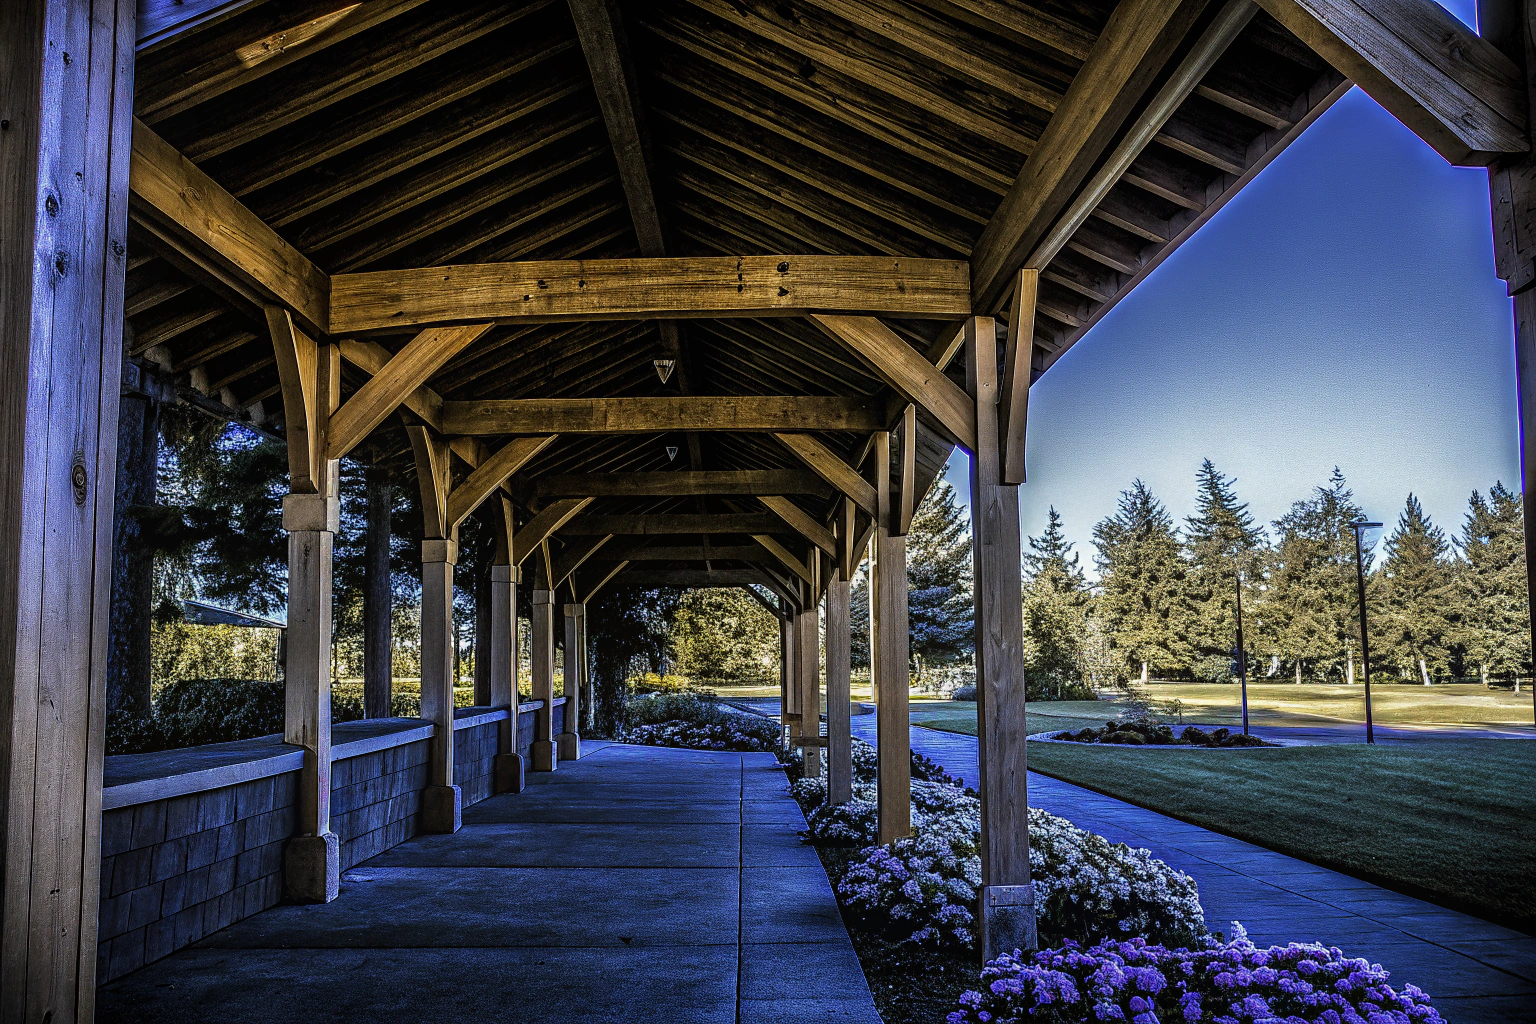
543,526
828,465
799,521
1455,90
491,473
787,557
371,358
671,524
572,557
684,484
659,415
602,581
644,289
1130,53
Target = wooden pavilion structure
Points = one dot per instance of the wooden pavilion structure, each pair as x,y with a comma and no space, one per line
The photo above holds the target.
694,291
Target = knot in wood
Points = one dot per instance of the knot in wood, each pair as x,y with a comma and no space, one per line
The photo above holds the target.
78,478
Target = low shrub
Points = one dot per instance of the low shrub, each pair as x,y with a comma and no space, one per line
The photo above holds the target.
1232,982
651,682
964,693
687,720
1157,734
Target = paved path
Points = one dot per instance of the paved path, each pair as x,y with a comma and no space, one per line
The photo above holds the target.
637,884
1477,972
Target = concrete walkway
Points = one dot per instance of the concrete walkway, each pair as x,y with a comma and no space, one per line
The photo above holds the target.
1476,972
636,884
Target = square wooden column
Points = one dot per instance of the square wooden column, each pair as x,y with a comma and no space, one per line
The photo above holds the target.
442,803
1007,899
507,767
63,249
808,678
570,731
789,686
889,653
588,701
839,720
543,753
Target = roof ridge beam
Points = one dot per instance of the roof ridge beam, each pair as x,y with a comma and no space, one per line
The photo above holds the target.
660,414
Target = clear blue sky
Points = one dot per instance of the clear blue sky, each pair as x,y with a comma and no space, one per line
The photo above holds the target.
1342,310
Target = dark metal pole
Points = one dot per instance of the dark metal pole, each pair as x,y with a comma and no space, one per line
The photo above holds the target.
1242,652
1365,640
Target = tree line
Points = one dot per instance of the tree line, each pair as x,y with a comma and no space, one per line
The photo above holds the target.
1165,602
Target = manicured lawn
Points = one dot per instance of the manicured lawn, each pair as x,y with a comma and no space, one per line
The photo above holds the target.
1044,716
1448,820
1391,703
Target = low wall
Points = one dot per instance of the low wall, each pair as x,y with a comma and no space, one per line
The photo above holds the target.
192,840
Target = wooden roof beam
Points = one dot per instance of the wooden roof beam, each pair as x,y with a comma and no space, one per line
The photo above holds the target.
800,522
160,21
646,289
602,581
906,370
572,558
1136,44
784,555
696,578
406,371
828,465
219,237
489,475
371,358
647,415
1457,91
543,526
671,524
681,484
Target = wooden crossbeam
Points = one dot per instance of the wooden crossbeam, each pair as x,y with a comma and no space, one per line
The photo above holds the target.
671,524
162,20
772,609
371,357
646,415
1455,90
1136,44
787,557
572,558
431,453
488,476
800,522
219,236
905,369
699,578
543,526
826,463
644,289
682,484
408,370
692,553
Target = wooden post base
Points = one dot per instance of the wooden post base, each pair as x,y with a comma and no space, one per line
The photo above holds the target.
442,810
1007,920
312,868
569,745
507,770
545,755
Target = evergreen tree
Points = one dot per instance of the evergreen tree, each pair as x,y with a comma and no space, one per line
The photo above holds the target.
1310,618
725,635
1223,545
940,611
1055,605
1495,626
1143,583
1418,590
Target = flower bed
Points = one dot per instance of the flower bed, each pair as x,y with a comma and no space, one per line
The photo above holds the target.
1145,733
685,720
1222,983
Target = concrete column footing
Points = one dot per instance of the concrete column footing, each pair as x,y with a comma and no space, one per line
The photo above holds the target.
1007,920
312,868
508,772
569,746
442,809
544,754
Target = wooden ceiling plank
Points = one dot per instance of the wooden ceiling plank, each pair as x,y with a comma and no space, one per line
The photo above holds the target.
216,232
161,21
649,289
403,374
1023,22
828,465
658,415
1455,90
905,369
1133,49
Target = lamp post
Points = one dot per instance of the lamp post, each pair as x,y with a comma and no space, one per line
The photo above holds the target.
1242,652
1365,641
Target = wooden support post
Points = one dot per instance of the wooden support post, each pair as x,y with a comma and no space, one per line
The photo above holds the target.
63,250
570,732
1007,900
786,677
508,764
839,711
889,652
808,677
584,664
442,803
543,753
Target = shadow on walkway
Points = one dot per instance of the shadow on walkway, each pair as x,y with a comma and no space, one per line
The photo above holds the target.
635,884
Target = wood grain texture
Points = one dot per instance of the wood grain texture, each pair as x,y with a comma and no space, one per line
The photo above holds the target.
788,558
543,526
839,710
889,654
649,288
647,415
798,521
828,465
371,357
430,450
749,482
220,235
1455,90
905,369
483,481
1018,362
671,524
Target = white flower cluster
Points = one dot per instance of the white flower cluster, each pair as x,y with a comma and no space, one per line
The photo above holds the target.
924,889
695,735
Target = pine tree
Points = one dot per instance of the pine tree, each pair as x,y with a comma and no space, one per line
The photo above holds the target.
1417,585
1055,607
1052,559
1224,545
1143,583
725,635
1311,616
1495,626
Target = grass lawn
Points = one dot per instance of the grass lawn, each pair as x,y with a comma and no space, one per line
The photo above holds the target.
1391,703
1042,716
